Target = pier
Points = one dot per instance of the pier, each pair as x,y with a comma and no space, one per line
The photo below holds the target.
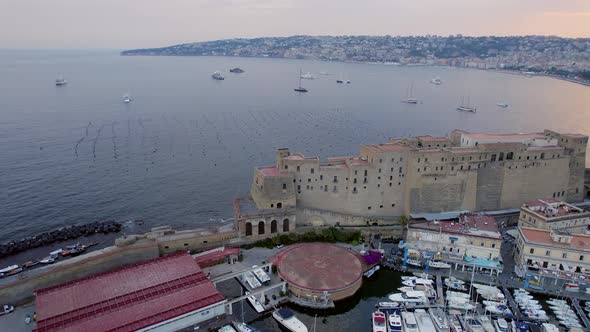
513,306
439,290
581,313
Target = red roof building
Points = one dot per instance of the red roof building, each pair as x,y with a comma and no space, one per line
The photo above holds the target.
131,298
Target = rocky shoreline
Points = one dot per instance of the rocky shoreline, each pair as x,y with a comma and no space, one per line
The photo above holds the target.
62,234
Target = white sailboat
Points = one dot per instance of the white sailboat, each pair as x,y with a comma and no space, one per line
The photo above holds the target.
409,95
300,88
255,303
409,322
127,98
466,107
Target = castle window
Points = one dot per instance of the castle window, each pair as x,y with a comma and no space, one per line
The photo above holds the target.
365,180
298,168
400,170
326,188
436,168
418,169
356,172
425,160
335,189
418,159
284,186
543,155
399,183
401,159
365,172
510,156
535,157
308,180
391,178
501,156
441,168
453,159
378,185
312,171
272,205
391,170
564,255
335,179
380,206
548,253
299,188
461,167
563,193
532,251
380,161
392,205
286,166
493,157
469,167
380,170
354,190
368,208
528,157
470,157
321,177
452,168
581,257
442,159
424,168
390,184
354,180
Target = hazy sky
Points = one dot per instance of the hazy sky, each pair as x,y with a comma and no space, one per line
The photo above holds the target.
151,23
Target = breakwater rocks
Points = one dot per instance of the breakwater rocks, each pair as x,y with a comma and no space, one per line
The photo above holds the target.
62,234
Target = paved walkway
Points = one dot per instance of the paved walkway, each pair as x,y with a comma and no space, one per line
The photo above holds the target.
15,321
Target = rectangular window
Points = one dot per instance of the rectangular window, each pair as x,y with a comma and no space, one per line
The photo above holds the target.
365,172
532,251
493,157
298,168
312,171
321,177
335,178
564,255
548,253
581,257
284,186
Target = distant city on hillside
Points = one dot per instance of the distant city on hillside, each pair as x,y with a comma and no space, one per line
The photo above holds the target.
547,54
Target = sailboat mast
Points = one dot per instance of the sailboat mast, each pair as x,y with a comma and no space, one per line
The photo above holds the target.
300,73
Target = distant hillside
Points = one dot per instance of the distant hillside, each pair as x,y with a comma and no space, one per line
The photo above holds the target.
518,52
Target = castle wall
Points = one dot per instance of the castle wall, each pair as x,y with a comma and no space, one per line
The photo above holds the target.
422,175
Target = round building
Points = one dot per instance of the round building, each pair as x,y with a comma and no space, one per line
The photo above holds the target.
314,270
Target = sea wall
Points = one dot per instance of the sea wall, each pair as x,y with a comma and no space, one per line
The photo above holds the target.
62,234
20,288
316,217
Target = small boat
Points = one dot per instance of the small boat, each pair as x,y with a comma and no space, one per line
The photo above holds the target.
255,303
388,305
520,326
339,81
307,76
466,107
371,271
47,260
436,81
395,321
474,325
13,272
547,327
571,287
406,289
217,76
56,253
261,275
236,70
418,281
378,322
409,96
424,321
501,310
300,88
30,263
414,262
9,269
127,98
286,318
227,328
456,284
501,325
463,306
409,322
411,297
439,318
243,327
439,265
60,81
458,294
502,104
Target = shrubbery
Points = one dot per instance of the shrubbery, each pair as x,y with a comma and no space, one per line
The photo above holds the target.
325,235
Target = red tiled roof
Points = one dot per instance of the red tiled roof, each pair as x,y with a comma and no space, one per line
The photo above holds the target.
126,299
470,224
543,236
269,171
551,207
217,255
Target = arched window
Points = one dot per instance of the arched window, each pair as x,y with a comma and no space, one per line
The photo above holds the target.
261,227
248,229
279,205
285,225
273,226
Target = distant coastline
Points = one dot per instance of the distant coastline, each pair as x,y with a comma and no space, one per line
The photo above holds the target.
562,58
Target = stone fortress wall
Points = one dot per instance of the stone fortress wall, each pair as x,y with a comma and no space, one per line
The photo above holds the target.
428,174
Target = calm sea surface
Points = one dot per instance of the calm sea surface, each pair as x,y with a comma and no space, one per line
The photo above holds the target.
187,144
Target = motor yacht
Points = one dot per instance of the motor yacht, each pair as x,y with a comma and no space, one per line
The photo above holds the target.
287,318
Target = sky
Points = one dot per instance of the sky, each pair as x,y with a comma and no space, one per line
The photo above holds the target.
124,24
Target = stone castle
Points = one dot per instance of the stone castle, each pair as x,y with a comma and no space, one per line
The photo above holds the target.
425,174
